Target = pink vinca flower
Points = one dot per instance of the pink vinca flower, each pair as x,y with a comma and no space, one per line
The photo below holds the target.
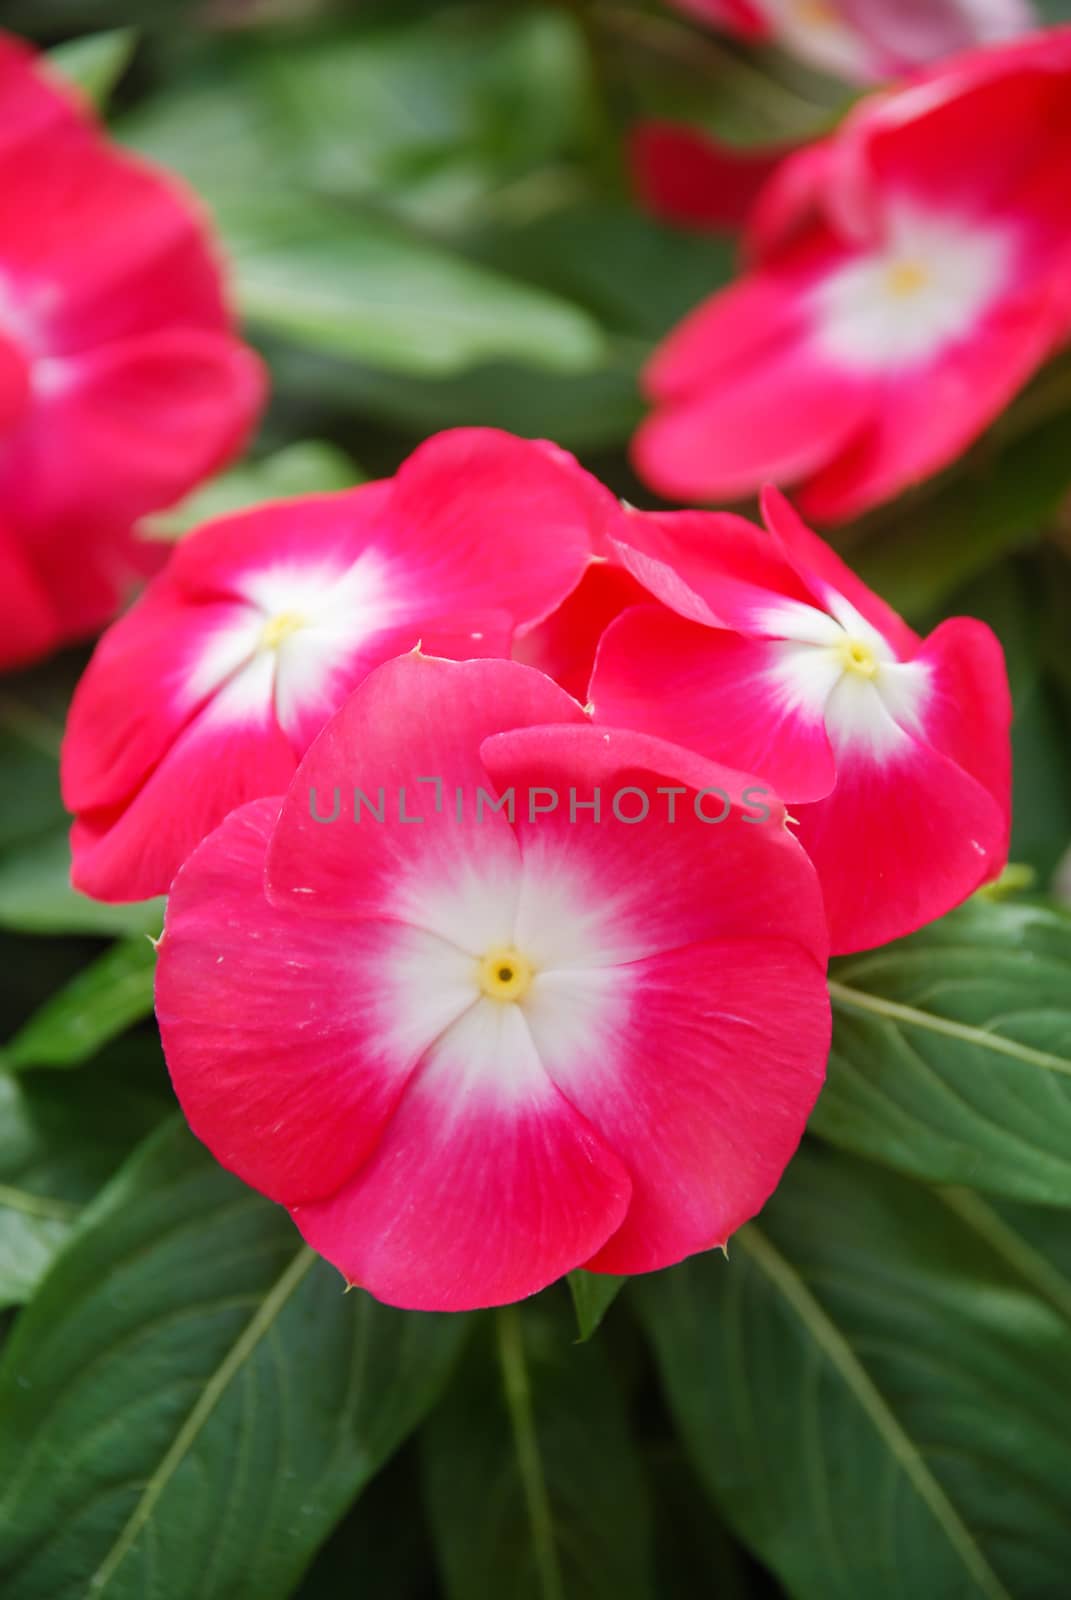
868,40
767,653
210,689
908,276
473,1052
121,382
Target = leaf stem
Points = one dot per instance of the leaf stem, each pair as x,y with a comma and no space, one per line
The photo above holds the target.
930,1022
519,1404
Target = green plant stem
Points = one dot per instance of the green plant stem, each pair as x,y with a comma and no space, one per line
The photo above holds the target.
519,1404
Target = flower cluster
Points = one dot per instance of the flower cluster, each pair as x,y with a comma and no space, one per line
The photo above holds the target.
473,1043
507,829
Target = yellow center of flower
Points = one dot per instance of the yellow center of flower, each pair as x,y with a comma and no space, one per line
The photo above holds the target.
906,278
857,656
280,627
505,974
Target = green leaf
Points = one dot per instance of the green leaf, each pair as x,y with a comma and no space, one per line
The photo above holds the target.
362,287
107,997
36,896
30,735
191,1394
924,547
534,1486
96,62
308,467
60,1141
593,1294
952,1052
873,1392
443,120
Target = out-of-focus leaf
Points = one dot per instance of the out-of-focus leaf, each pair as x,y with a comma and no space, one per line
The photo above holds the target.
637,276
361,286
440,119
581,411
951,1053
873,1393
927,546
534,1486
1014,599
593,1294
190,1393
108,996
30,734
309,467
684,72
36,896
60,1141
96,62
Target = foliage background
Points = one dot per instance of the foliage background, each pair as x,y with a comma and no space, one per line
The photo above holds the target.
430,219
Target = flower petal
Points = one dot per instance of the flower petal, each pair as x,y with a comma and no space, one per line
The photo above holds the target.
408,739
720,694
277,1029
706,1102
486,1187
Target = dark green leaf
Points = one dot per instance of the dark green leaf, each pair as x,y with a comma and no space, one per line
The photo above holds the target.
874,1392
59,1142
534,1486
191,1394
952,1052
108,996
593,1294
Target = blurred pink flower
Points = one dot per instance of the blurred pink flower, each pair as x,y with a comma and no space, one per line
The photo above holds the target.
121,382
908,275
868,40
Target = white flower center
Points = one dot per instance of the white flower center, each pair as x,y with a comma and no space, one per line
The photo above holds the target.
298,627
928,285
835,667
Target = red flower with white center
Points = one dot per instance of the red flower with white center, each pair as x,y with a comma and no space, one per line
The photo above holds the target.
908,276
209,690
473,1053
121,383
868,40
892,751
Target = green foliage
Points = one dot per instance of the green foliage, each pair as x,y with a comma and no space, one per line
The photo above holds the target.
868,1388
952,1053
535,1487
191,1398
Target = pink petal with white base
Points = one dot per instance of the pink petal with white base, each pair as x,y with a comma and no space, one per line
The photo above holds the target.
727,1086
719,694
487,1186
233,751
237,976
905,836
584,904
410,741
